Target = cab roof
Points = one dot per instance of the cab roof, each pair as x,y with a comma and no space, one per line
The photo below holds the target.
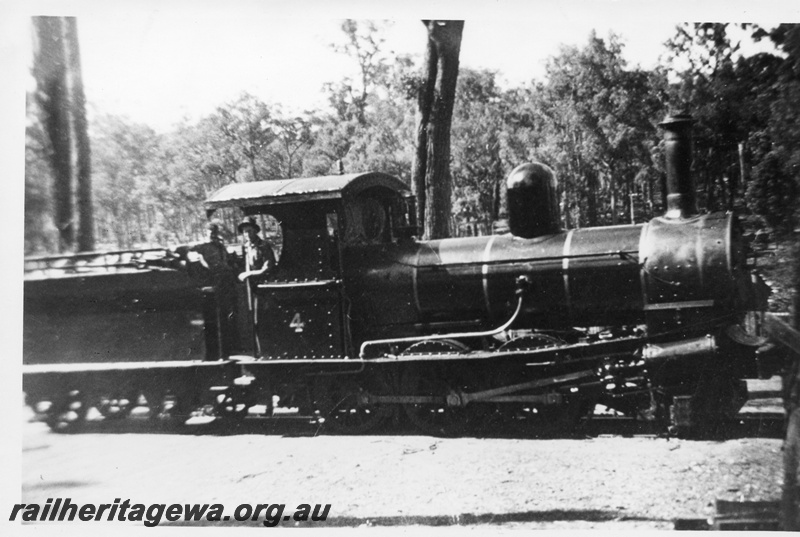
282,191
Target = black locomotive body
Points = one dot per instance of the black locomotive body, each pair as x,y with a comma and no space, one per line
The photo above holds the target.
360,320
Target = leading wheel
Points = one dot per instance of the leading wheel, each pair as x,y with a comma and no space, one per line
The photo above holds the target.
713,407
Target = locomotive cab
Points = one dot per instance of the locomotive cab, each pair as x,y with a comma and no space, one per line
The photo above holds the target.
300,309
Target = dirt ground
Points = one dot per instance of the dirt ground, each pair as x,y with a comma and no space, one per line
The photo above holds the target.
605,481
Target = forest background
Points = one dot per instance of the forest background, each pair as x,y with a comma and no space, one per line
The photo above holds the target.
592,118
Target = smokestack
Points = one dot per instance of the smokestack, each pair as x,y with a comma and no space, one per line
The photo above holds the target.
681,199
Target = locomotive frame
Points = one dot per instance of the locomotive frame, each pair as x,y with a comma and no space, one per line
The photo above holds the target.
360,323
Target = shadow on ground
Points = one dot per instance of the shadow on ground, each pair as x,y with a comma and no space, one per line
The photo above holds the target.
555,515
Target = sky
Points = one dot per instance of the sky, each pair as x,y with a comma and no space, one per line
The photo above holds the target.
160,62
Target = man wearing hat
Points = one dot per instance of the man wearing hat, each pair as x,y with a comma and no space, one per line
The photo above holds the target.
258,255
211,254
218,273
258,260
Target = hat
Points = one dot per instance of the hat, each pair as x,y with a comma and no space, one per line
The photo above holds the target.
249,221
213,226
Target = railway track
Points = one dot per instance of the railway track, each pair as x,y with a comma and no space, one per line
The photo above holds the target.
761,417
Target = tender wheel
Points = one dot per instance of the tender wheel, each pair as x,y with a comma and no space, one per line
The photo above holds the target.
232,403
67,413
154,400
115,407
342,404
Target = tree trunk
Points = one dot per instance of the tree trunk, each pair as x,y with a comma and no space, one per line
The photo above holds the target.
424,100
630,189
50,67
612,185
566,213
591,197
742,178
57,69
82,147
444,40
632,205
252,158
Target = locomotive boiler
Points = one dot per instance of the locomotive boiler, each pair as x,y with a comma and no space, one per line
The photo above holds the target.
361,323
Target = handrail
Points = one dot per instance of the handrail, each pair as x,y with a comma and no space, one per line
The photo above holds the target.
98,253
87,261
299,285
627,255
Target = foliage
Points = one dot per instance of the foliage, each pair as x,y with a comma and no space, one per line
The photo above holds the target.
363,42
782,186
477,165
593,119
744,107
123,156
595,123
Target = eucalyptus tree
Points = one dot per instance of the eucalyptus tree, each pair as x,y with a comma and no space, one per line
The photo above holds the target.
436,100
59,92
477,132
122,157
775,186
365,44
247,125
598,123
370,124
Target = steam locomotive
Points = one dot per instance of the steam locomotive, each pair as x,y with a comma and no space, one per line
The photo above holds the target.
361,323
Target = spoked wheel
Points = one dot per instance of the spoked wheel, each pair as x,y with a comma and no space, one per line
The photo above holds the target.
539,418
115,406
67,413
432,380
154,401
343,404
433,418
714,405
531,342
233,403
